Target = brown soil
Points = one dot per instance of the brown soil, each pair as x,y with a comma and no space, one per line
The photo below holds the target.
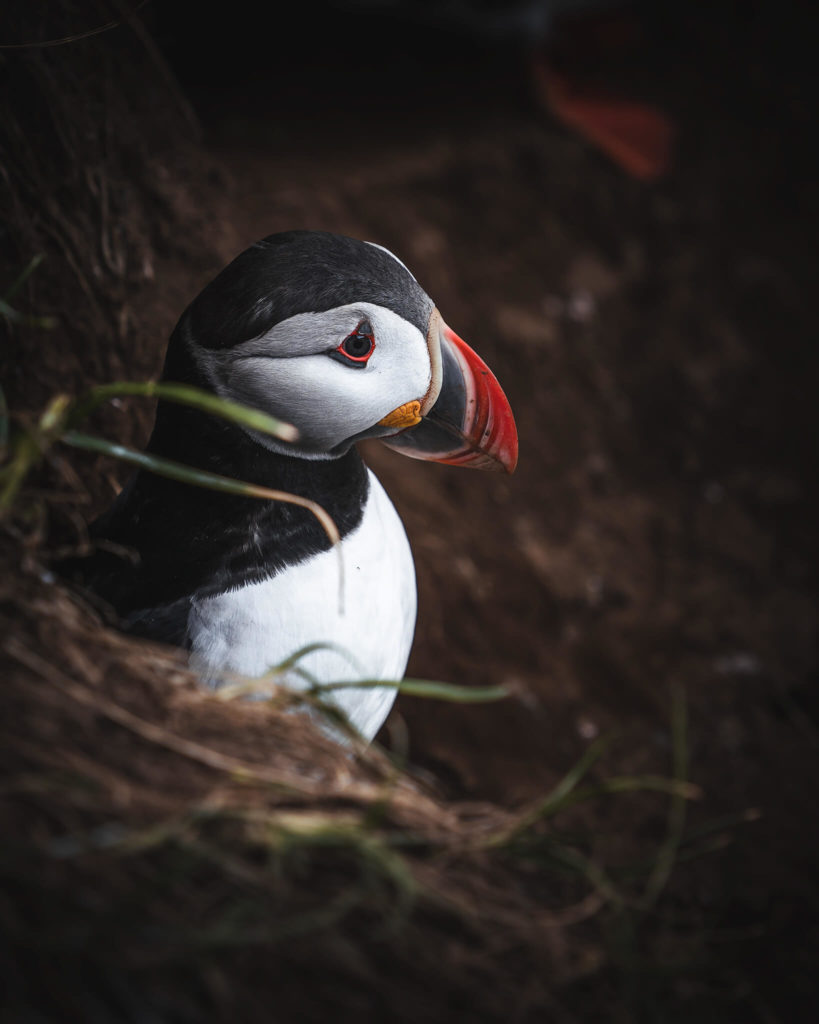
658,539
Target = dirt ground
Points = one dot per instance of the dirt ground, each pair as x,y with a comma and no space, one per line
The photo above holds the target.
657,343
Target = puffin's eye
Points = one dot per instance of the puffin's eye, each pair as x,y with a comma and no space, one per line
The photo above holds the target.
357,347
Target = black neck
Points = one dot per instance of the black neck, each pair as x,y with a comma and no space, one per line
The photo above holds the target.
194,540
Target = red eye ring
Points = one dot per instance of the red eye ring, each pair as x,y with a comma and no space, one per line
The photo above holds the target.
359,345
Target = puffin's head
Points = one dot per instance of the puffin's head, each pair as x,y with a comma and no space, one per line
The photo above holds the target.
337,337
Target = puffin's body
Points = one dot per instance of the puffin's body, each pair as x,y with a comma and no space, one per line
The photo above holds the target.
336,337
257,625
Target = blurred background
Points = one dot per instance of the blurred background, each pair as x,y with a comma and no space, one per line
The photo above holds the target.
615,205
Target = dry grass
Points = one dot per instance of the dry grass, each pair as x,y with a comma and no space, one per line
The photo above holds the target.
166,843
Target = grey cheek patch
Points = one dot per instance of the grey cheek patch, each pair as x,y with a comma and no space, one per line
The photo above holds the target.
288,372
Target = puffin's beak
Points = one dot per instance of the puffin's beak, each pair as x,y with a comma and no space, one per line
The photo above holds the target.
465,416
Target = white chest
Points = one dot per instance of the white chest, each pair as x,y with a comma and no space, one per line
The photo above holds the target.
250,630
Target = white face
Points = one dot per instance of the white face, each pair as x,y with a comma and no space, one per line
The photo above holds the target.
291,373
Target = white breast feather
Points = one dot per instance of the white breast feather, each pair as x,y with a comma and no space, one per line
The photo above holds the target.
249,630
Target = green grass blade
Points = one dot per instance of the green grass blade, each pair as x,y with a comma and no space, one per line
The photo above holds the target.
14,316
591,871
198,477
183,394
24,275
297,656
432,690
424,688
626,784
677,808
26,452
572,777
411,687
554,800
289,666
25,319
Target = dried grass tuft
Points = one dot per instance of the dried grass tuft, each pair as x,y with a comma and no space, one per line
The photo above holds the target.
165,841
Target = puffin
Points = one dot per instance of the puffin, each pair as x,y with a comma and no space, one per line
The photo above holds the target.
336,337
